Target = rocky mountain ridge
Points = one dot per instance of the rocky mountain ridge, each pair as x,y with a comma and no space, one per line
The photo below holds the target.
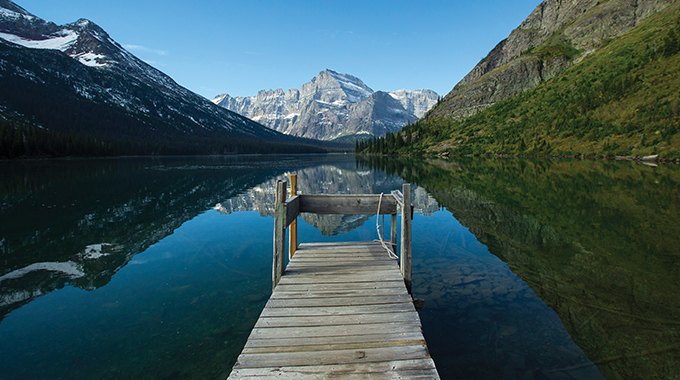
332,105
75,78
555,36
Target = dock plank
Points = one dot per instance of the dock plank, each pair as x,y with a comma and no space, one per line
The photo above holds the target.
340,310
336,310
340,285
347,292
326,320
402,369
348,339
305,358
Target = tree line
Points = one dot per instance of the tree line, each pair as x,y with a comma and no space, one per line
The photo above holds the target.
621,102
19,140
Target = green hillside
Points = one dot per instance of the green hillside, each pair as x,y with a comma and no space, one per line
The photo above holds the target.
622,100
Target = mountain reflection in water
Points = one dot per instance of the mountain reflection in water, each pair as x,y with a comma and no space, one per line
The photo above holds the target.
598,241
327,179
124,267
53,211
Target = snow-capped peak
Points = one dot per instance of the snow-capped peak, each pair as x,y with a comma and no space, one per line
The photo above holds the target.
22,28
11,10
355,89
416,101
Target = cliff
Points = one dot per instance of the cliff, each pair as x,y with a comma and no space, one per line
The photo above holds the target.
555,36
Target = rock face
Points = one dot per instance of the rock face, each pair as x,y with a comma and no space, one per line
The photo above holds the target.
332,105
556,35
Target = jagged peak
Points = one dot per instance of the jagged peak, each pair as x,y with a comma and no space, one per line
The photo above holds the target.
219,98
85,25
354,89
345,79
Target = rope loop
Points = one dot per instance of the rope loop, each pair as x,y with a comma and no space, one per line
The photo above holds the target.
389,250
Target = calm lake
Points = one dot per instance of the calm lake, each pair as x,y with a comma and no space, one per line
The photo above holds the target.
157,268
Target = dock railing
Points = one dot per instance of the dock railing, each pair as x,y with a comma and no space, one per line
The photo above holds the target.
288,209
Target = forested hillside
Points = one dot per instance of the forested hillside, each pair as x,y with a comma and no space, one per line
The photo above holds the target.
622,100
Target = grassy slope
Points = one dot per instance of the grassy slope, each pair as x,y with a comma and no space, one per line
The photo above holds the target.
623,100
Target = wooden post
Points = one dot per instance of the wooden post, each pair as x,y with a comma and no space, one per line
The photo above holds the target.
406,237
292,239
393,232
279,233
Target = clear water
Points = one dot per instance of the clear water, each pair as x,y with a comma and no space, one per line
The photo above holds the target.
530,269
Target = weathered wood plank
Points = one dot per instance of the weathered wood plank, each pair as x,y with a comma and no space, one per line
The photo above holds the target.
380,274
293,277
332,331
334,346
339,244
339,286
348,249
326,261
353,260
336,310
393,231
339,301
345,252
398,197
408,317
365,204
338,293
339,268
292,211
377,260
306,358
392,370
279,234
288,373
405,255
325,340
332,289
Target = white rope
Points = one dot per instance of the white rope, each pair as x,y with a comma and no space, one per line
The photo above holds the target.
389,250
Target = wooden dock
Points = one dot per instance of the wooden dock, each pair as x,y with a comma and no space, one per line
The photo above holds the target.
339,310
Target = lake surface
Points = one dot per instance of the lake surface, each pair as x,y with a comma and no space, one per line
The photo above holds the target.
157,268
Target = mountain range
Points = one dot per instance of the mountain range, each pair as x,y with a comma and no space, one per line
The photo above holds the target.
333,106
74,80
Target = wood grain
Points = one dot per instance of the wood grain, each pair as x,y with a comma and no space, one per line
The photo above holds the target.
340,310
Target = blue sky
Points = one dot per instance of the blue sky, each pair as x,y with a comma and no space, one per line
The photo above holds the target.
241,47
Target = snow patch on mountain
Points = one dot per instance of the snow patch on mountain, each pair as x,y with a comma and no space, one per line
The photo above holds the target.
91,59
355,89
418,101
69,268
12,15
62,41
